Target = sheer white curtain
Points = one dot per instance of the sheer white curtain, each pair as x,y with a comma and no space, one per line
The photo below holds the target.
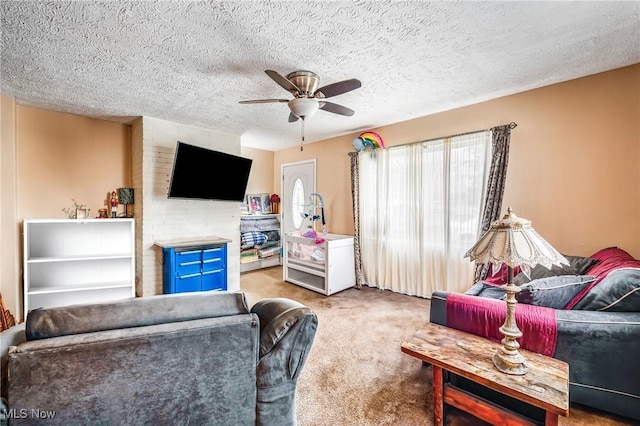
420,211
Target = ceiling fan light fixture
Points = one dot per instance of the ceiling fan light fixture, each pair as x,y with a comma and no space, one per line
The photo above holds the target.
308,98
303,107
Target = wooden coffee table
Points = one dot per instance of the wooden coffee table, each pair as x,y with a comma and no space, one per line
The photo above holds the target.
545,386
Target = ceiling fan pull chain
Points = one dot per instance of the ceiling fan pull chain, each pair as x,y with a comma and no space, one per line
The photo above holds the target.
302,135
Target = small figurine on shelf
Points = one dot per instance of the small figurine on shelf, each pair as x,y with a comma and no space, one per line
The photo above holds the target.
114,204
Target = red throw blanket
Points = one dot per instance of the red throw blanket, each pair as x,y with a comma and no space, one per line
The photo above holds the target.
483,317
611,258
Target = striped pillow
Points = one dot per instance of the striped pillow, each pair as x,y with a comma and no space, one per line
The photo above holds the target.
252,239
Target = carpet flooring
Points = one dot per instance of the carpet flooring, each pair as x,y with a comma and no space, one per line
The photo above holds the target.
355,373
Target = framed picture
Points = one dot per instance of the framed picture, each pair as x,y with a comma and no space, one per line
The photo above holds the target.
82,213
265,202
254,202
244,206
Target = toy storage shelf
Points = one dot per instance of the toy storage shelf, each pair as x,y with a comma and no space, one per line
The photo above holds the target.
327,267
69,261
252,259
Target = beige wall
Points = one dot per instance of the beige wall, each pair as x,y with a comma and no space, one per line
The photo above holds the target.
573,165
9,225
64,156
262,177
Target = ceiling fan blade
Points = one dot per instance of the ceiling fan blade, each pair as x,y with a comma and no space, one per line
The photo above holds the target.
264,101
292,117
336,109
339,88
282,81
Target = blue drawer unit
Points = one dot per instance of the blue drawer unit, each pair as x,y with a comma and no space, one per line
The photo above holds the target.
214,274
196,268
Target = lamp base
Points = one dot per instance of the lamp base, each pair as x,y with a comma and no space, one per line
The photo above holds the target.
507,359
125,214
510,364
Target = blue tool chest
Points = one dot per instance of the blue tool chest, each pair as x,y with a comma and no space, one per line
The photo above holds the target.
197,268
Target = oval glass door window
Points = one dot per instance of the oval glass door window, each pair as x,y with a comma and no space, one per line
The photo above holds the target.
297,203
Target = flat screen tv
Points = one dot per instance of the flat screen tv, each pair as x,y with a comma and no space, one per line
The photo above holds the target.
205,174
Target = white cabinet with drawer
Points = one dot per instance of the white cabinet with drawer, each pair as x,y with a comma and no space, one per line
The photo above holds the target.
325,264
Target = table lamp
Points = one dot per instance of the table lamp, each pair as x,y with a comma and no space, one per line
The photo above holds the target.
125,196
512,241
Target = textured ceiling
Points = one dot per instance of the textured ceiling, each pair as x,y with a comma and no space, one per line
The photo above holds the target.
192,62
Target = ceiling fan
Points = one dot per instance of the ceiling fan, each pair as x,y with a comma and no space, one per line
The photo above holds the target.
308,98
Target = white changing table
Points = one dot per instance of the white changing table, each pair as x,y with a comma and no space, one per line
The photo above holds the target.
327,267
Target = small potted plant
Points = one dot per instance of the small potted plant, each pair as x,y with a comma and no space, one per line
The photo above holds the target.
72,212
275,203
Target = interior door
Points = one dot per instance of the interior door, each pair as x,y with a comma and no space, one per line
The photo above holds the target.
298,182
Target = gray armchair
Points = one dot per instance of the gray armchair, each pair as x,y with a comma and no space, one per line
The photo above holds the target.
287,330
190,358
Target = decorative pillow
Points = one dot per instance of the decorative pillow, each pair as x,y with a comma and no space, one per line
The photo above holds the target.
252,239
578,265
611,259
553,292
619,291
273,239
486,290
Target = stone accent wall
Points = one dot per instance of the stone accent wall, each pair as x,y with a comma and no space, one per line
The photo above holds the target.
159,218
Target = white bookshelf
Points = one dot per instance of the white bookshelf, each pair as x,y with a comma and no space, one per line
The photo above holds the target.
70,261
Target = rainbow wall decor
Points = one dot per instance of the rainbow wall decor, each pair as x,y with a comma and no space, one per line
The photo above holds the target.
368,138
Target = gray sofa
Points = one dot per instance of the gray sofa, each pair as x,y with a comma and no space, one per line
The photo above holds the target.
601,348
591,320
191,358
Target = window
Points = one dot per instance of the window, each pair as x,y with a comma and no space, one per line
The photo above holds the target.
420,211
297,203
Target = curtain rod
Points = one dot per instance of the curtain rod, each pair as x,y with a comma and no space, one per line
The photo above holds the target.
511,126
